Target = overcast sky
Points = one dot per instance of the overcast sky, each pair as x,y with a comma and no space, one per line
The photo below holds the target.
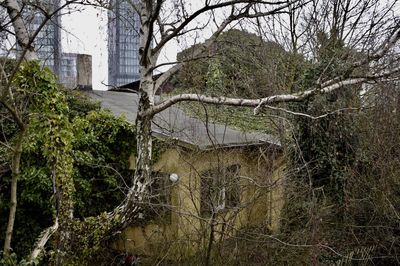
85,31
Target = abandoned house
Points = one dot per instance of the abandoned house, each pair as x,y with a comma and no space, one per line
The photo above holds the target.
212,181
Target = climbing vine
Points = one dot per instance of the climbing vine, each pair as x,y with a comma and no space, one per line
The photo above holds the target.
321,153
50,119
74,147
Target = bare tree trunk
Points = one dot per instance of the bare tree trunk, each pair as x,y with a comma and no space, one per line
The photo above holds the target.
21,32
144,140
22,36
142,177
16,171
133,208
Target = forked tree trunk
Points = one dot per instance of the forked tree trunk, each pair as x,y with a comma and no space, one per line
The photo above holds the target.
16,171
22,38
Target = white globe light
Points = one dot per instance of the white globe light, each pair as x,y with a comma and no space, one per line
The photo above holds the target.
174,177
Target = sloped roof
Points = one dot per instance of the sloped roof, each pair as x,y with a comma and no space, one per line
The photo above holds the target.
174,123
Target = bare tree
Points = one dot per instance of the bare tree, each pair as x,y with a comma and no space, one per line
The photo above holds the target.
159,30
158,27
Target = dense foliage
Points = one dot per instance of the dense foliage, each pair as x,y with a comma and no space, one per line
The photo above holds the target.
239,64
248,66
327,145
333,195
100,147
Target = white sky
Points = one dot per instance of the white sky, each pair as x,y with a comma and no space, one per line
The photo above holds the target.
85,31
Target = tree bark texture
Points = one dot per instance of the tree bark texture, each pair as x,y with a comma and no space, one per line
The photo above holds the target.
138,193
21,32
16,171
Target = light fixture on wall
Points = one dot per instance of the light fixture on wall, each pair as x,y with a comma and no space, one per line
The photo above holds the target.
174,177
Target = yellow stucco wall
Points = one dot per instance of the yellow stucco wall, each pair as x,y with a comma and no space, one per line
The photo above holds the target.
186,231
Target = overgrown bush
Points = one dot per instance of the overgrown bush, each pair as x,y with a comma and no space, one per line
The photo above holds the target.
101,148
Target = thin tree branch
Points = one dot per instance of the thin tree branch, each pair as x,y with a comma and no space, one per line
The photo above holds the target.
259,103
206,8
326,87
199,51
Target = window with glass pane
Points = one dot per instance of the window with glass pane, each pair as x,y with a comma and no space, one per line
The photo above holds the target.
220,190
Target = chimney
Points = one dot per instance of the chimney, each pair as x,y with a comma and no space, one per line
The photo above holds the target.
84,71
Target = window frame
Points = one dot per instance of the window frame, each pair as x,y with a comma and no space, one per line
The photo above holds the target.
219,190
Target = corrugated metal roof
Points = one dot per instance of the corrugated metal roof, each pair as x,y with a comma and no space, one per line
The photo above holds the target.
174,123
